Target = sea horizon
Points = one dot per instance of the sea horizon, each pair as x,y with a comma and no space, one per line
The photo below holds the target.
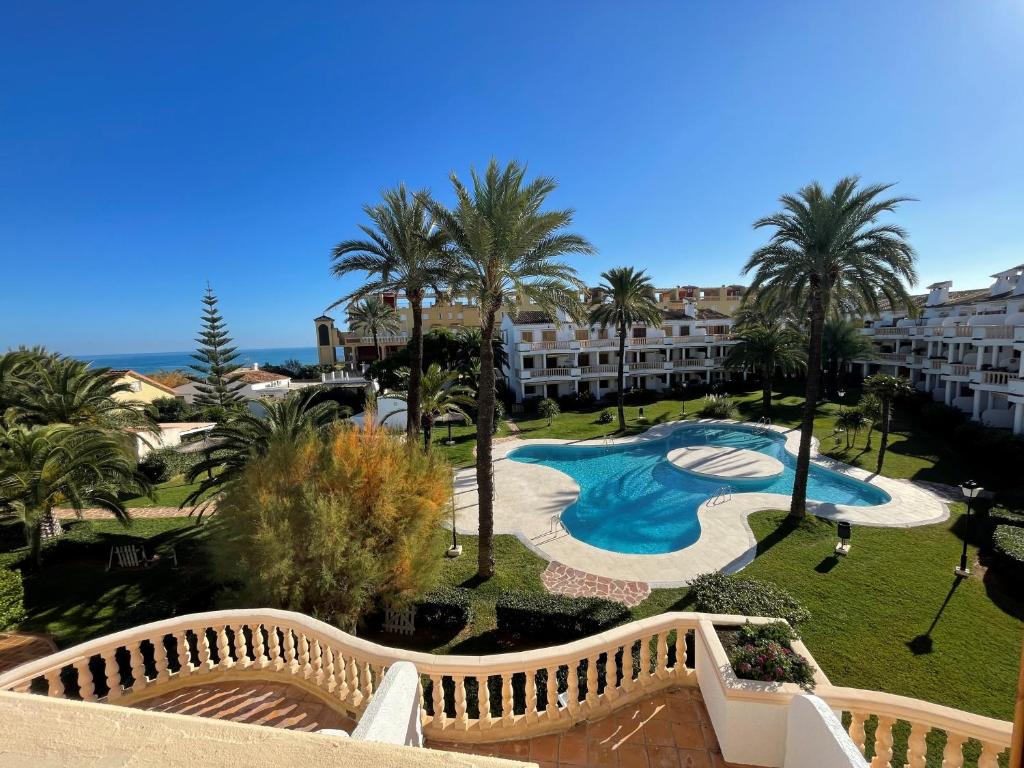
149,362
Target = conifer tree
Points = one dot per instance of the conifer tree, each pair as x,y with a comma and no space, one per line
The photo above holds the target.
215,359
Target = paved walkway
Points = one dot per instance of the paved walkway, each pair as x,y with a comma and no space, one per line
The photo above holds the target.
563,580
98,513
670,730
278,705
22,647
530,497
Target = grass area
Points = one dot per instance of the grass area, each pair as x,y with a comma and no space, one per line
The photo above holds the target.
169,494
460,454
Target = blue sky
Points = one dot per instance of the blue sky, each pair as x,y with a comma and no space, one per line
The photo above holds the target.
146,148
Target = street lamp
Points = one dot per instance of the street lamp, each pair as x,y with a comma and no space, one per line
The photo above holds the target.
455,549
970,489
841,393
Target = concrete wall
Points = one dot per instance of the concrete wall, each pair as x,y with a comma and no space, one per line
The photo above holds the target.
815,738
41,732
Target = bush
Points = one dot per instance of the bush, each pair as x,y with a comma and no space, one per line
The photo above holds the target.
444,608
1008,548
718,593
605,417
329,524
153,467
1002,516
162,464
12,598
577,401
717,407
764,654
547,409
941,418
556,618
169,409
640,397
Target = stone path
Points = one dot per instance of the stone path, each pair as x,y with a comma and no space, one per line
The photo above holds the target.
670,730
278,705
22,647
563,580
98,513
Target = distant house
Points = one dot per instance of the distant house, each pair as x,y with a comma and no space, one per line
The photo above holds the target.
141,389
256,384
171,434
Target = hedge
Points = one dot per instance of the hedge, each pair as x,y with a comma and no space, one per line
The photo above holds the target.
1004,516
557,618
1008,548
12,598
444,608
718,593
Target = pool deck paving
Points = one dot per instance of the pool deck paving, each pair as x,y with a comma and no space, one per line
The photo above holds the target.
529,499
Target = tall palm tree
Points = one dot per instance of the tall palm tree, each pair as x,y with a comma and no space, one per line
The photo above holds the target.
767,348
78,466
841,342
887,389
505,251
828,254
374,316
235,443
403,252
871,407
441,394
627,299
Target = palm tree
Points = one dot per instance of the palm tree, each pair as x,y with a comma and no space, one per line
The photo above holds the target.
852,421
887,389
43,466
441,394
827,254
235,443
871,407
841,341
627,299
374,316
403,252
767,348
505,251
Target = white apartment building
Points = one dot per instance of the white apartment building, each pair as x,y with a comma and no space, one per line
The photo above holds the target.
965,348
549,357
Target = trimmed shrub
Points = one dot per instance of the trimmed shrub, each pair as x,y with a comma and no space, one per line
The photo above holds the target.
1008,549
12,598
605,417
1003,516
640,397
547,409
717,407
557,617
764,653
577,401
444,608
941,418
718,593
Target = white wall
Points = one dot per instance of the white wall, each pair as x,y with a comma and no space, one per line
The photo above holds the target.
815,738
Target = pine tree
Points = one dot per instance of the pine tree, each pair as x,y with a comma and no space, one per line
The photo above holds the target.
215,359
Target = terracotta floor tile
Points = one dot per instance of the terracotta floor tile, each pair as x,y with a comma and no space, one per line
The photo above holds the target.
573,748
710,739
688,735
544,748
601,755
684,711
658,733
663,757
632,756
694,758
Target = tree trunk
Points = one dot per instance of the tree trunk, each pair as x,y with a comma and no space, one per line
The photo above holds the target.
871,430
428,431
886,407
833,378
484,437
620,399
376,345
415,364
766,391
798,506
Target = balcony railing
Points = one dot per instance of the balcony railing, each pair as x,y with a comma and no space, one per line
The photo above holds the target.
485,698
384,341
599,369
692,363
995,378
891,330
535,345
893,357
546,373
993,331
958,331
959,370
647,366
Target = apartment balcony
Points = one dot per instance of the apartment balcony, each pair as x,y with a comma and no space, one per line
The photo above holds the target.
957,371
561,372
957,332
891,332
933,364
536,346
673,663
915,360
994,381
1016,386
648,368
690,364
993,334
353,340
600,371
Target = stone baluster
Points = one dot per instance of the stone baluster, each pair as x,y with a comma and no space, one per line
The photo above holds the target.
224,660
112,673
242,657
551,693
54,685
328,681
484,700
591,699
627,669
461,714
203,646
573,691
316,671
644,658
185,665
989,757
352,677
917,745
530,710
378,675
341,674
289,649
275,647
366,680
86,685
437,698
857,730
883,743
160,664
661,670
507,704
138,667
953,754
680,667
259,648
303,655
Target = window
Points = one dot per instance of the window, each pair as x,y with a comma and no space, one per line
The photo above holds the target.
584,360
582,335
526,336
602,358
547,335
668,330
640,333
135,386
323,336
529,390
603,383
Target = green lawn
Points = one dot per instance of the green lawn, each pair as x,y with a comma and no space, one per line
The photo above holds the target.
169,494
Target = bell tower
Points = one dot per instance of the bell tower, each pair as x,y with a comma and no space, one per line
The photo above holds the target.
326,339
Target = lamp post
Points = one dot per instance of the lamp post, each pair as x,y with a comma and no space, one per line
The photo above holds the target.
842,393
455,549
970,490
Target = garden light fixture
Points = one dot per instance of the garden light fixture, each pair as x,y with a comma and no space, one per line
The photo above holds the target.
845,531
970,490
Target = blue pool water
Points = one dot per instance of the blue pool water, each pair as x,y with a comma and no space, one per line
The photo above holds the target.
633,500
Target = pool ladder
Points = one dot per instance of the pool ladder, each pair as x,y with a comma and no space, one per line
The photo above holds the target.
722,493
764,425
556,530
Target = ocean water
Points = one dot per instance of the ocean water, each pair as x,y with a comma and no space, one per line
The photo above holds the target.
148,362
633,500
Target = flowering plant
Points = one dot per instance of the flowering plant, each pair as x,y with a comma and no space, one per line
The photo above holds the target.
764,654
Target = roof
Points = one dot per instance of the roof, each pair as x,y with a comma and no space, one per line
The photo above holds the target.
256,376
121,373
323,317
530,317
677,314
711,314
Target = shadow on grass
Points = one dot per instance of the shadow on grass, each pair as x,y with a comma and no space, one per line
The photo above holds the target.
827,564
923,643
785,527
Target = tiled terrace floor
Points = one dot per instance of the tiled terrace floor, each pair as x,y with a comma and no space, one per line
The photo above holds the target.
670,730
18,648
275,704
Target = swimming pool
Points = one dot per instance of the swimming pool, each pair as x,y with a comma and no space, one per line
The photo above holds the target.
633,500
